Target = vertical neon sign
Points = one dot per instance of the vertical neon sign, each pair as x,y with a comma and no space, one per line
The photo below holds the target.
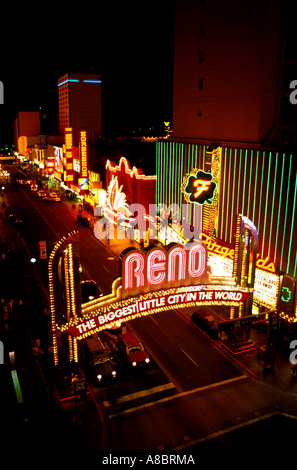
83,154
69,155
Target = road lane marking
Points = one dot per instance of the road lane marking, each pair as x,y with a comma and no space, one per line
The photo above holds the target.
142,393
189,357
178,395
227,430
105,268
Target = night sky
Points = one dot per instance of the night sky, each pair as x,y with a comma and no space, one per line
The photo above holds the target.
129,43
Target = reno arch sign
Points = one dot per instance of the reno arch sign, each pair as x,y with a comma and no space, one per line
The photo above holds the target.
153,281
161,269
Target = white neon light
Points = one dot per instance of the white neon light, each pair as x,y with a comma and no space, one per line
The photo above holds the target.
177,252
197,269
156,270
132,273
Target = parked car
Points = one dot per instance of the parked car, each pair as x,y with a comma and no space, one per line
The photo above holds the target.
89,290
134,351
34,186
13,219
83,220
206,322
52,198
42,193
98,361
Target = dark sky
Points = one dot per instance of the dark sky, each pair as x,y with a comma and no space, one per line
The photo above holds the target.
129,43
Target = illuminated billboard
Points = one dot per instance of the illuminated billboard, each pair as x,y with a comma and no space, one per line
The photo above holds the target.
160,268
83,150
69,155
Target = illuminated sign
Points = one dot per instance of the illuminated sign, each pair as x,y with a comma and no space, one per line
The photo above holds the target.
159,268
152,303
69,156
288,298
198,187
135,172
83,148
224,251
83,183
266,288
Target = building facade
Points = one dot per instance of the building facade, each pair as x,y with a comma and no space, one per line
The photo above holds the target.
80,105
232,117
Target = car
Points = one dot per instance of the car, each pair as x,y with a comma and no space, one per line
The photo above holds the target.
34,186
98,361
83,220
133,349
205,322
23,181
41,193
52,198
89,290
13,219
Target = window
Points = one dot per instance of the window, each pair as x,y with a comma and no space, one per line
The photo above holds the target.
201,83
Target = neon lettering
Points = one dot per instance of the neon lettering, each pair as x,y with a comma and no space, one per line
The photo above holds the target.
201,186
197,263
179,253
156,270
131,272
178,266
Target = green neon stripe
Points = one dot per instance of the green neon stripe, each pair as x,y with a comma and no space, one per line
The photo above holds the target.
250,184
234,185
181,175
266,202
244,182
256,186
17,386
238,183
292,227
261,199
286,211
157,170
273,199
228,235
279,208
223,199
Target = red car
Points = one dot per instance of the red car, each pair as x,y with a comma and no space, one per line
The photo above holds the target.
133,349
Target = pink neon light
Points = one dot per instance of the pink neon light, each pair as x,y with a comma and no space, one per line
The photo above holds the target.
131,272
177,252
197,269
134,172
154,267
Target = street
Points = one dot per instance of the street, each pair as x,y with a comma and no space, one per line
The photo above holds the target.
190,389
